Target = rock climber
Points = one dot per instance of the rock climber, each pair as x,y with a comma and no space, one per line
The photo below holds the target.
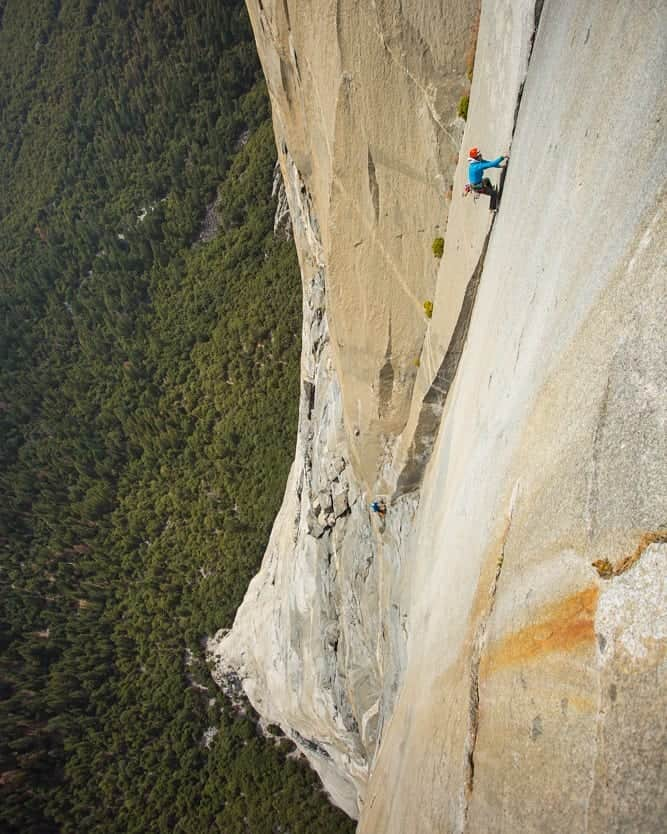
379,507
478,183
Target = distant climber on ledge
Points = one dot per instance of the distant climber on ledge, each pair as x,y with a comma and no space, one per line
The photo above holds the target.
479,184
379,507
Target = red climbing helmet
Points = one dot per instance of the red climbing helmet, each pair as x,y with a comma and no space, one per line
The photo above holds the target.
473,153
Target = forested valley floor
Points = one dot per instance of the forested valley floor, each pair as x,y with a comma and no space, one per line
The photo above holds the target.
148,407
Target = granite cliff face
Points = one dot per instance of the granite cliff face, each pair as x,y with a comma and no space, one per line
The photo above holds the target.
492,656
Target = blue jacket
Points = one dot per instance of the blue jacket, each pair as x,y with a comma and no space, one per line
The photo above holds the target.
476,169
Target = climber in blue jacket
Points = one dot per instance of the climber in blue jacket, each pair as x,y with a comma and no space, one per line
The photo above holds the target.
379,507
480,184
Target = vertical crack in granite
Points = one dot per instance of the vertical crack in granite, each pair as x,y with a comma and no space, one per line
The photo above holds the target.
599,736
434,402
386,380
594,485
479,644
373,186
425,433
537,14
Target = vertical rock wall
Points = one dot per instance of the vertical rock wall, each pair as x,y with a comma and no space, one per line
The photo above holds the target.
533,696
319,641
492,658
365,99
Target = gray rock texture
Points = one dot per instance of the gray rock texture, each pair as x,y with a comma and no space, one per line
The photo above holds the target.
491,656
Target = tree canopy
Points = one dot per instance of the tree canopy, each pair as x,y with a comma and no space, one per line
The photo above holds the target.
148,393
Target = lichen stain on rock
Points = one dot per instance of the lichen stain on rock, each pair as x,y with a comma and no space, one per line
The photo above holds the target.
563,627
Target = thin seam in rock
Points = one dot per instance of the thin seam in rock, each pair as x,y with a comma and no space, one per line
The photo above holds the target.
479,644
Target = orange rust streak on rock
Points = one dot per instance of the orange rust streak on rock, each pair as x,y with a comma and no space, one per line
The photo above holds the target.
562,627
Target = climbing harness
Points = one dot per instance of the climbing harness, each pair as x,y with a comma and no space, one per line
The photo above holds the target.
470,190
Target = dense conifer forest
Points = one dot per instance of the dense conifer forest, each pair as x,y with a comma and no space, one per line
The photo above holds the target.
148,396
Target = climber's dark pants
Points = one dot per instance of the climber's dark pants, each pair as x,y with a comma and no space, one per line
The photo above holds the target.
487,188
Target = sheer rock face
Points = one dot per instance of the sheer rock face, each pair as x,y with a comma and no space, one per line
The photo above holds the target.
365,99
494,657
319,639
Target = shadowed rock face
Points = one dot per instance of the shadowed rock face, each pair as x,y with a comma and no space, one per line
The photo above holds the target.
492,656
